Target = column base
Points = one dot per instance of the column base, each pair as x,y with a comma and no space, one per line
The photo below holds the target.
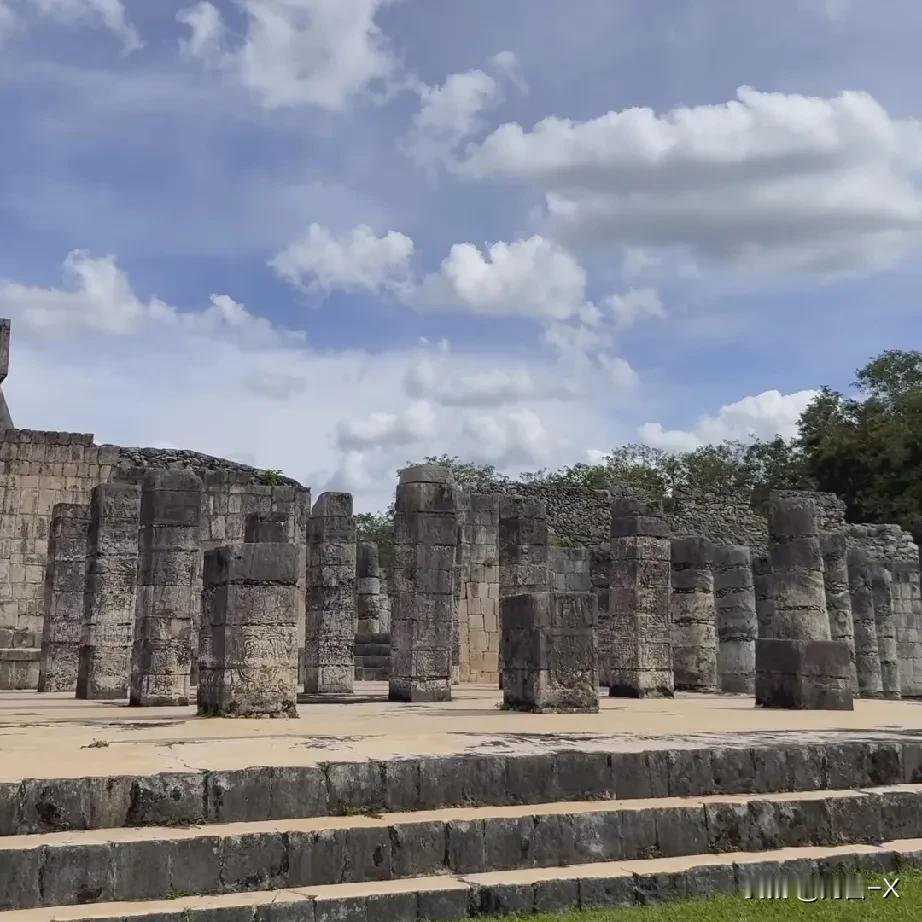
803,675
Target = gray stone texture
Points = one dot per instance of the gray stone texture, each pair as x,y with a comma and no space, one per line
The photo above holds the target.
329,645
906,604
569,569
169,594
478,599
867,652
65,577
249,655
6,421
764,593
885,620
693,615
640,649
550,651
111,585
426,538
834,547
737,627
373,611
800,666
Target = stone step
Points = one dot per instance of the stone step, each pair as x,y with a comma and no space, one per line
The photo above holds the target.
363,674
56,869
597,885
426,783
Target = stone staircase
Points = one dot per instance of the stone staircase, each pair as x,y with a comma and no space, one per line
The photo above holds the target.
452,837
373,657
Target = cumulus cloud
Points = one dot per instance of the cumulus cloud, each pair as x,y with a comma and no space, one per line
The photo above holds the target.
762,416
513,437
452,112
415,423
353,261
97,297
295,52
108,13
634,305
531,278
767,180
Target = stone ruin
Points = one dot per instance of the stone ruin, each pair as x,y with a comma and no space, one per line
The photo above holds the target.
102,581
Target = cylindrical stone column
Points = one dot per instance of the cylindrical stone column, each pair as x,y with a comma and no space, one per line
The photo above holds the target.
367,589
884,618
834,547
329,644
914,608
693,615
111,586
249,653
65,576
640,645
737,627
800,666
169,588
867,652
764,594
426,534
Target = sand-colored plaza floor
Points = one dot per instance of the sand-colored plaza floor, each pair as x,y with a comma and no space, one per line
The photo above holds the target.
54,735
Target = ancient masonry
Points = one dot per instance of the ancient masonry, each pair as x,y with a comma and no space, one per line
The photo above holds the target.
885,621
737,627
331,616
111,590
169,588
799,666
867,653
252,598
65,576
834,547
549,631
373,614
694,615
640,644
425,536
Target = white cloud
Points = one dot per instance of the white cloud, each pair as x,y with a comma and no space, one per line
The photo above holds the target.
98,297
531,278
109,13
619,371
353,261
296,52
453,111
762,416
414,424
515,436
768,180
634,305
470,383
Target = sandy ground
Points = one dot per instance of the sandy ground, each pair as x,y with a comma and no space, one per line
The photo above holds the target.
53,735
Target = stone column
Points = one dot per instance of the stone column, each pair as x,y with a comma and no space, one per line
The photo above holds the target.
737,624
693,615
569,569
111,586
65,576
550,651
425,533
169,588
884,618
329,644
800,666
914,614
641,651
905,573
249,650
867,652
764,593
834,547
367,590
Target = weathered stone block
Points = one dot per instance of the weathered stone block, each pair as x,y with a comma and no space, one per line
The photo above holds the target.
810,674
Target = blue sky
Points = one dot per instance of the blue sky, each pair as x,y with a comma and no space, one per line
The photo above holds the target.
329,236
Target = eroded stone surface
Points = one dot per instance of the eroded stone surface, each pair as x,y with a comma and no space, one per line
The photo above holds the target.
867,653
693,615
885,620
737,627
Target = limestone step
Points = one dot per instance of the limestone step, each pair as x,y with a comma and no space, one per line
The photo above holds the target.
425,783
588,886
363,674
150,863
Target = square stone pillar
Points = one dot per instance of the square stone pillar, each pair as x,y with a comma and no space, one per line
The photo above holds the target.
111,586
329,645
867,652
169,588
425,534
737,623
693,615
249,652
885,620
550,652
800,666
641,648
65,577
834,548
